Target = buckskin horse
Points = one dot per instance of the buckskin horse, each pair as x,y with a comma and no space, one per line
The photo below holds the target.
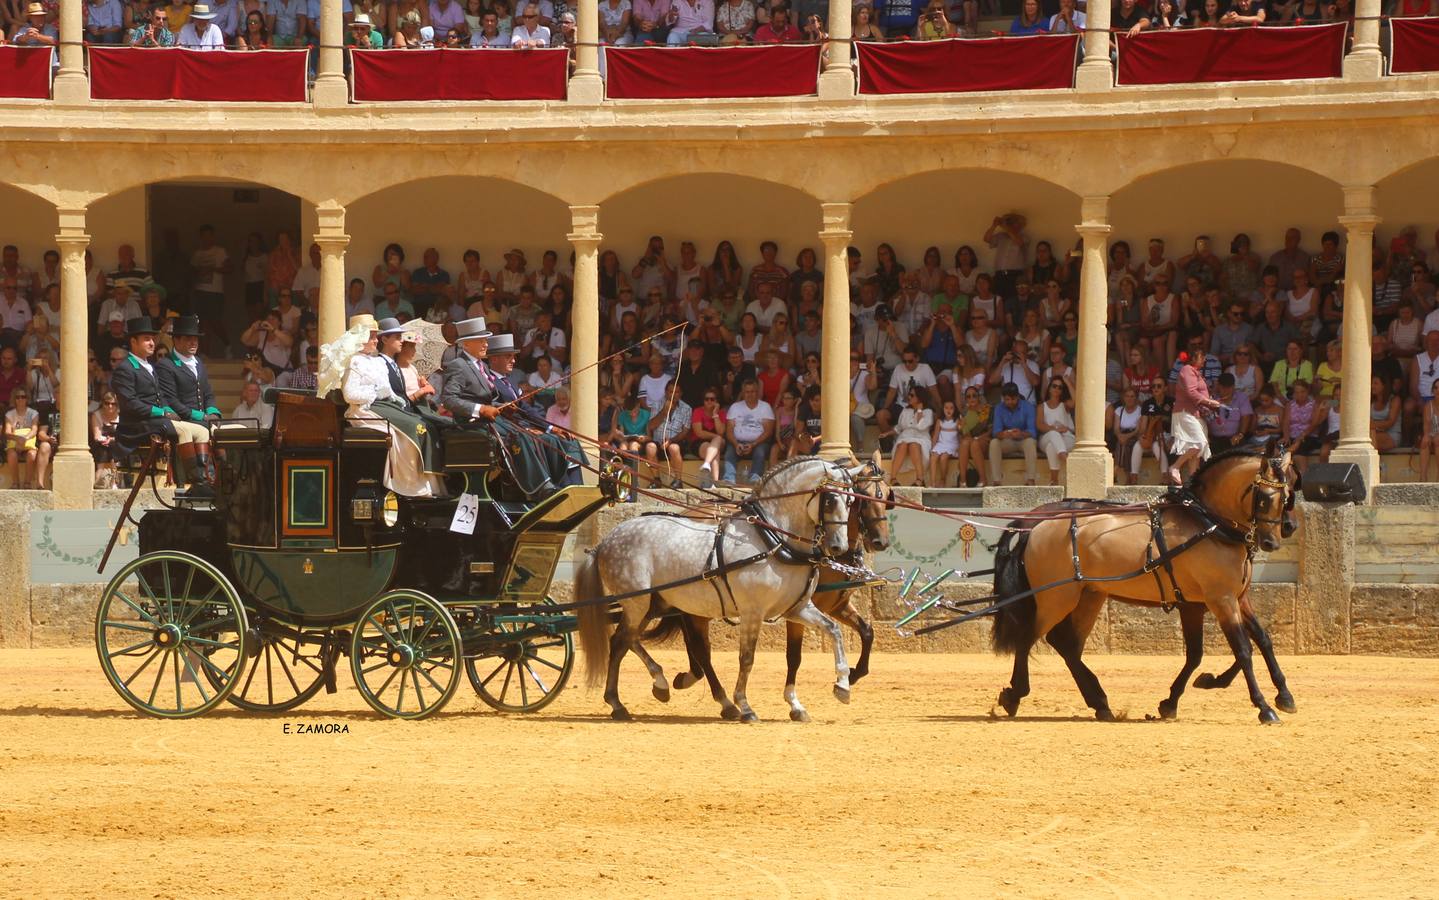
1194,547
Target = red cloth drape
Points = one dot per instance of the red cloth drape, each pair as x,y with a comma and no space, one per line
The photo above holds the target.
394,75
25,72
259,76
1416,46
1232,54
677,73
1033,62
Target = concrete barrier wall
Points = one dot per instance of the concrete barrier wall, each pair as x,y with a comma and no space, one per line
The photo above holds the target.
1329,606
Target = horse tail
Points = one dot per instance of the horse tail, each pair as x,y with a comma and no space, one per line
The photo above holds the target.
1014,622
594,621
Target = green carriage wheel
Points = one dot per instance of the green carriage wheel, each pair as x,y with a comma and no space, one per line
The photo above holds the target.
173,645
284,672
525,674
405,655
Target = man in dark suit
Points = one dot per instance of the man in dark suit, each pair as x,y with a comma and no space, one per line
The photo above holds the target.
183,377
561,453
145,410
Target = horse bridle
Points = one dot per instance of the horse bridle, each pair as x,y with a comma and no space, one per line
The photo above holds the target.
868,518
1270,478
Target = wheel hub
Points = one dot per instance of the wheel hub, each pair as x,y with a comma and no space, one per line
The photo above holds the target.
168,635
402,657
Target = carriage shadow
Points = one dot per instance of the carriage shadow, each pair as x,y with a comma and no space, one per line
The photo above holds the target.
1042,720
72,712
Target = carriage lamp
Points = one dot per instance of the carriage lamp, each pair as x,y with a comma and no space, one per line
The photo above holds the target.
362,505
390,511
367,506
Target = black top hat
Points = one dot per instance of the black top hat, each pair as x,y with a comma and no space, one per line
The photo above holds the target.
187,326
140,325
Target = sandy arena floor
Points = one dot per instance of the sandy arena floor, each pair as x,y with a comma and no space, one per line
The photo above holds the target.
910,791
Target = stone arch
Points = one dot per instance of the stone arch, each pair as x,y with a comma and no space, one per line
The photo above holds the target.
707,208
1410,196
454,213
30,223
1221,198
954,207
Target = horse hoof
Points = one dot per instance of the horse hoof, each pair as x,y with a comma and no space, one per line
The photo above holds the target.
856,675
1206,681
841,694
1285,702
1268,717
685,680
730,713
798,715
1009,702
748,717
1104,715
621,715
1168,710
662,694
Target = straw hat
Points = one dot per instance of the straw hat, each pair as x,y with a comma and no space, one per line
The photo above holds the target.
363,319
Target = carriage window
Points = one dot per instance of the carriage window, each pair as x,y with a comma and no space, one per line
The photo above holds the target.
308,501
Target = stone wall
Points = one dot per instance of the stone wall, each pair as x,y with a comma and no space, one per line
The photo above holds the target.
1325,611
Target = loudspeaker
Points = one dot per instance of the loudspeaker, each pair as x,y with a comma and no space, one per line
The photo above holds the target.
1334,482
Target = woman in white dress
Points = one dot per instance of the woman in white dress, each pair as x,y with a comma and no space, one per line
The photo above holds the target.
1055,423
354,360
911,443
946,444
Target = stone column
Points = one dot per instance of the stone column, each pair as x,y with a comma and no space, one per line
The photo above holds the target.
73,471
585,342
331,91
332,240
586,87
834,360
1365,61
71,87
1089,471
836,82
1355,445
1096,72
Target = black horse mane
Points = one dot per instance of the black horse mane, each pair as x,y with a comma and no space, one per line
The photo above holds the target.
1222,457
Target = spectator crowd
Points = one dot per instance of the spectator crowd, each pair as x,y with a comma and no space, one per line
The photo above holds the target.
957,360
520,24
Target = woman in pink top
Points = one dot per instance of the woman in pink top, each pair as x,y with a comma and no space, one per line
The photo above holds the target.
1191,399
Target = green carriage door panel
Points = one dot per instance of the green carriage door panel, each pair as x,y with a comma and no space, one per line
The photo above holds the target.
307,507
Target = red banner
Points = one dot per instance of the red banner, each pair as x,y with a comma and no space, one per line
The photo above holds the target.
394,75
1416,46
259,76
1232,54
1034,62
25,72
683,73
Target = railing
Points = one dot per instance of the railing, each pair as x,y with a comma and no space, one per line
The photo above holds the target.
1007,63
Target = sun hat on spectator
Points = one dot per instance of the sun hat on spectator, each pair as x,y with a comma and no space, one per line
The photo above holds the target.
361,21
202,12
35,9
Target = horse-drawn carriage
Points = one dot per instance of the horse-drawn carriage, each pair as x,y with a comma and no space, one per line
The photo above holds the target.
304,557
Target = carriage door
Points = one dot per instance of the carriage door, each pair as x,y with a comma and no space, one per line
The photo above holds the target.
307,503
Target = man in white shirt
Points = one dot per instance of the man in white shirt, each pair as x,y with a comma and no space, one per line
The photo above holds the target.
104,21
749,431
529,34
546,340
252,407
884,340
201,32
14,314
1068,20
690,17
654,385
912,307
911,373
120,302
764,307
306,285
1016,368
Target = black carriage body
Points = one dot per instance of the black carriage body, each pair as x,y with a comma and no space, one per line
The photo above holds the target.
307,532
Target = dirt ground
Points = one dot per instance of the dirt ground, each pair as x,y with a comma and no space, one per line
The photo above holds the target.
912,790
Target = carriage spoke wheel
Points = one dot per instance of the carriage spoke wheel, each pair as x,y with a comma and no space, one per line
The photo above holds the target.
523,674
284,671
170,633
405,655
